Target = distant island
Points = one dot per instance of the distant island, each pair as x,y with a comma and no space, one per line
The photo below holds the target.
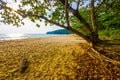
60,31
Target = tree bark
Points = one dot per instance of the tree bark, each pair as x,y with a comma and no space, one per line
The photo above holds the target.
94,34
67,13
93,17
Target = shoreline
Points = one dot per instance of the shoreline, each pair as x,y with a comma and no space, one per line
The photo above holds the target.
71,38
20,38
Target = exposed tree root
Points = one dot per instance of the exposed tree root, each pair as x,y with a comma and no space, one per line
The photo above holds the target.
107,59
97,55
91,55
102,58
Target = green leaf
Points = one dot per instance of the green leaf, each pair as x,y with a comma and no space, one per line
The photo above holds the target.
38,25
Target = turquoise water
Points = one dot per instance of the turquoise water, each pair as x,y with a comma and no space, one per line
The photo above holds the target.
23,36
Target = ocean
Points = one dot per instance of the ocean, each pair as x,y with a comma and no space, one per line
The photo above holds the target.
23,36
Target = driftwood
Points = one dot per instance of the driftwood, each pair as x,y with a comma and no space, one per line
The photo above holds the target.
24,65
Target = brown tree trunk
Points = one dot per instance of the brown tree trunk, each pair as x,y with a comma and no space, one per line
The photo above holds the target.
93,17
94,34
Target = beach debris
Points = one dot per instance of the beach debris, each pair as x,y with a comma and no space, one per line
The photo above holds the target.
24,65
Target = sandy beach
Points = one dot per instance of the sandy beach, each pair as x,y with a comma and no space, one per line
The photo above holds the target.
50,58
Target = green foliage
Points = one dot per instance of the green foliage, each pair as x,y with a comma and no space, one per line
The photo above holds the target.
37,25
11,18
109,20
110,31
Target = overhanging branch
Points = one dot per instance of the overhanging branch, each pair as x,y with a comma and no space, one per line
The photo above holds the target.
33,15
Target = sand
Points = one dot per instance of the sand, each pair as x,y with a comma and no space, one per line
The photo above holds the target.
51,58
